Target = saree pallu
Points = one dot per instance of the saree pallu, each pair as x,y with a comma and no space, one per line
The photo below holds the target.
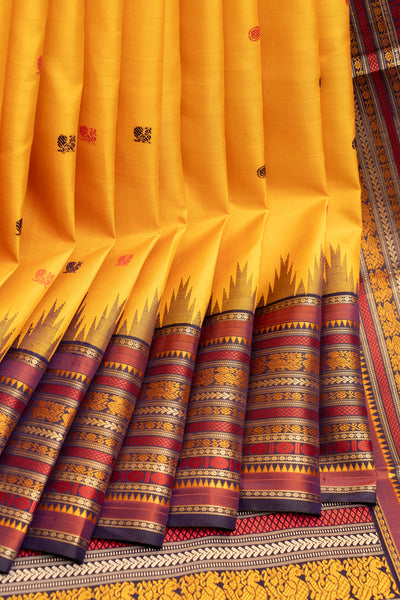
179,275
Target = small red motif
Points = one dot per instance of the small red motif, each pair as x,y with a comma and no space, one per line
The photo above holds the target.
87,134
254,33
44,277
39,65
347,2
124,260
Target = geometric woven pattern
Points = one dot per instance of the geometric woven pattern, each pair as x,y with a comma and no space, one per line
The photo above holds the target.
80,477
136,504
346,459
272,411
337,554
207,480
281,430
31,452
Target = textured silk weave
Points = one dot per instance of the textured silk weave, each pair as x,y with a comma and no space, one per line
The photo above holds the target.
179,270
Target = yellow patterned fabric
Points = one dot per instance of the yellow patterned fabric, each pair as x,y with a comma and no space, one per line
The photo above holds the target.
180,243
351,579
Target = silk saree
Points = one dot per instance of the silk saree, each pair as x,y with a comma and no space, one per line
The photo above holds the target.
179,269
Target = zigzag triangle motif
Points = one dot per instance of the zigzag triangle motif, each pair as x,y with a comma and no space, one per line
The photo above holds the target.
228,340
237,341
289,325
346,467
137,497
15,383
207,483
180,354
69,510
276,468
117,366
13,524
64,374
341,323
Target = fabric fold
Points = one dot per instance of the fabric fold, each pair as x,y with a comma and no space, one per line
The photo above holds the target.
179,325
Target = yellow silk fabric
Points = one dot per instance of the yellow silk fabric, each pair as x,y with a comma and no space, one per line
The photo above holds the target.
165,160
221,102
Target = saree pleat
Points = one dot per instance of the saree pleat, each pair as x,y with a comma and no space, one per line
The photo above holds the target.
151,449
280,464
19,91
346,459
94,441
95,235
48,204
206,487
179,296
23,365
80,351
